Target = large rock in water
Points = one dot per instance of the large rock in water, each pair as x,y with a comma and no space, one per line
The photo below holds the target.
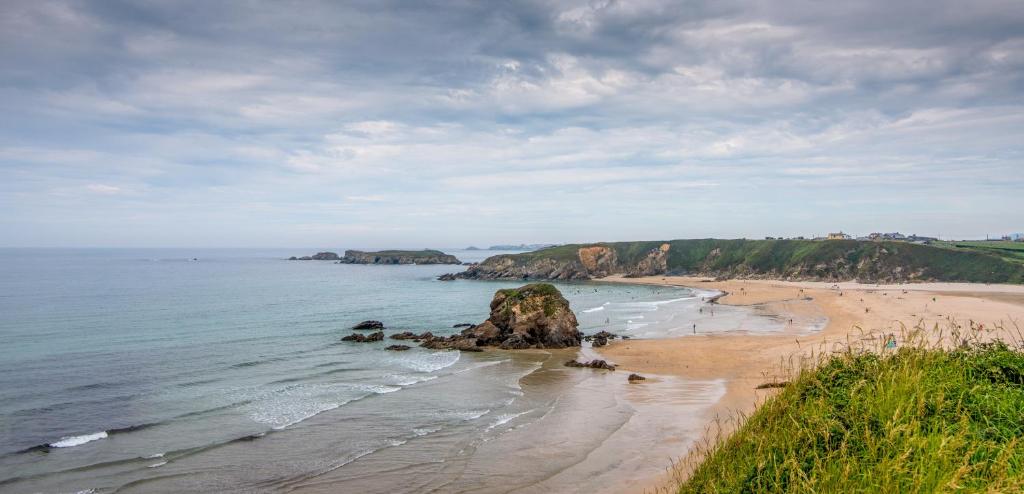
535,315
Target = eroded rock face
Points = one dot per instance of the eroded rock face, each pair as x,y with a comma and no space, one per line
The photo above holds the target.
598,260
654,263
531,316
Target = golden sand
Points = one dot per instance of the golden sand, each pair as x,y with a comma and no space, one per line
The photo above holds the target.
855,312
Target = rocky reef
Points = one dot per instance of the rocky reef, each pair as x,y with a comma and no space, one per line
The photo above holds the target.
398,257
531,316
361,338
826,260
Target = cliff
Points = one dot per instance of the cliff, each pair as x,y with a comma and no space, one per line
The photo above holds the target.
398,257
834,260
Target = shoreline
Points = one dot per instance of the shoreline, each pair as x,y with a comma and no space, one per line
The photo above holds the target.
744,360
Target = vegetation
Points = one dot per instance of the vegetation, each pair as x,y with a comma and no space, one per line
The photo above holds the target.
404,253
913,420
551,297
1008,251
829,260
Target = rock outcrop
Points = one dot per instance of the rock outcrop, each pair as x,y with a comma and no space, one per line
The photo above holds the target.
398,257
361,338
369,325
409,335
593,364
531,316
601,338
398,348
635,378
319,256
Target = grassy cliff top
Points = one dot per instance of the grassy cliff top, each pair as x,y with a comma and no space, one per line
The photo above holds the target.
917,421
944,263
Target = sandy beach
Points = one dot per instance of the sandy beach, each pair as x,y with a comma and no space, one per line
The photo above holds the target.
857,313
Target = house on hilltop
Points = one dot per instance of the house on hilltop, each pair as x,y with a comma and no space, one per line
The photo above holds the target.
838,236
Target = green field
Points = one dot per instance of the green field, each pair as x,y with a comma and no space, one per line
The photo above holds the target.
1010,251
918,420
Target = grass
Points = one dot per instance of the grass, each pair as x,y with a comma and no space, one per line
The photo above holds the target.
402,253
1008,251
805,259
551,298
922,418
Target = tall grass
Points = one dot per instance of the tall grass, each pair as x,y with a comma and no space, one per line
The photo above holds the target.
934,415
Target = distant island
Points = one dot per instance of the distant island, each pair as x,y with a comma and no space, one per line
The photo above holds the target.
818,260
514,247
319,256
426,256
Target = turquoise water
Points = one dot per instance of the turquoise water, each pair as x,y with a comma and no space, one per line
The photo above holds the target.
147,369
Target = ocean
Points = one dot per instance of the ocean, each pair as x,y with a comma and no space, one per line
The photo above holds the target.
222,370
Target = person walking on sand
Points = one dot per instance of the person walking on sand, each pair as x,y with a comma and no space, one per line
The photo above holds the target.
694,328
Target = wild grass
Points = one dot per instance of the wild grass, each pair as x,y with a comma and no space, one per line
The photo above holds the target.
943,412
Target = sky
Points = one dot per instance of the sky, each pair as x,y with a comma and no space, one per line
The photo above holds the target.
439,124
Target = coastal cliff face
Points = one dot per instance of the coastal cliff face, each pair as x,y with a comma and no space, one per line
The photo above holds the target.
839,260
398,257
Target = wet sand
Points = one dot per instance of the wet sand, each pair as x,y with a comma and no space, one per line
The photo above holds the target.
858,313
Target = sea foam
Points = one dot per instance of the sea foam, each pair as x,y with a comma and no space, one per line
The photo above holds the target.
71,441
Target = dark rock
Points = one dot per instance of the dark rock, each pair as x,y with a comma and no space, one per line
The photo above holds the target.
593,364
773,384
600,341
409,335
360,338
369,325
486,333
398,348
515,342
454,342
463,325
447,277
636,378
293,258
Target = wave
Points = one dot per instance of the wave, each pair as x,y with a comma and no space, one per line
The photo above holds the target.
594,309
469,415
506,418
292,405
159,464
405,380
72,441
428,362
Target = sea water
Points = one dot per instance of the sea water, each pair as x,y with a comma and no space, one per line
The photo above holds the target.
216,370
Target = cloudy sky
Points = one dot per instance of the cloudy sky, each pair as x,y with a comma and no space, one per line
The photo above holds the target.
413,124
